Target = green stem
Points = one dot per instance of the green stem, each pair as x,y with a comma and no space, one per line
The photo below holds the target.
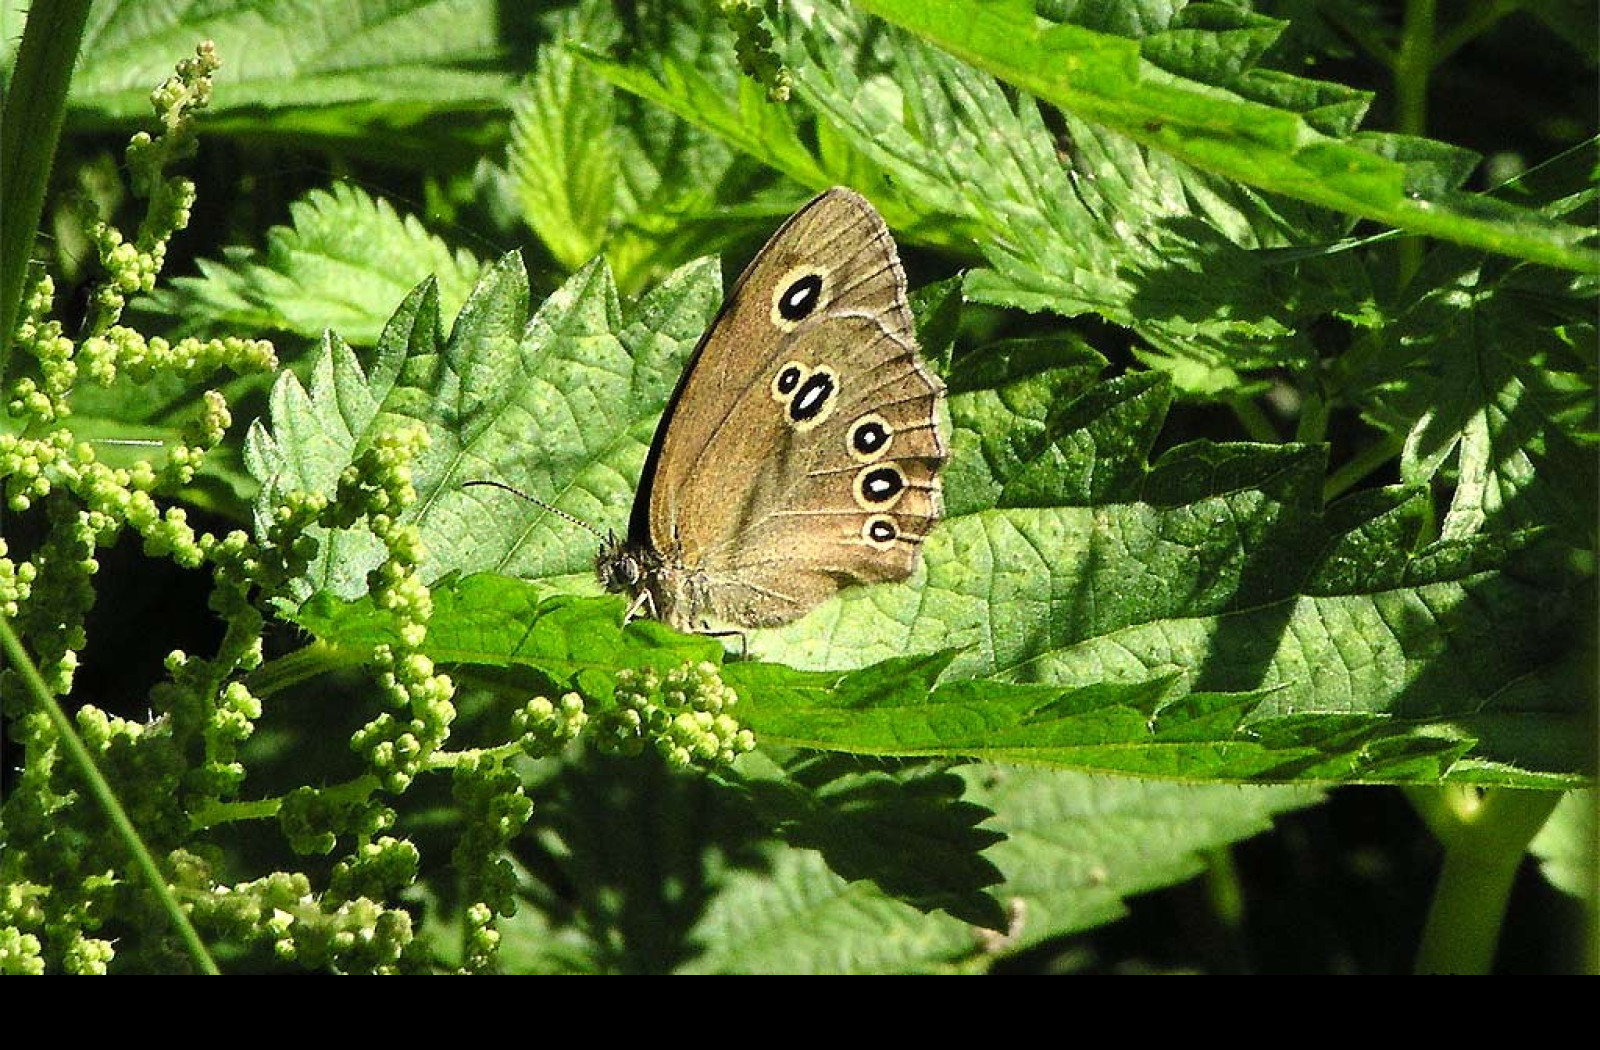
103,794
1363,463
1312,427
1224,889
30,128
1477,22
1255,422
213,814
1413,66
445,760
318,658
1484,837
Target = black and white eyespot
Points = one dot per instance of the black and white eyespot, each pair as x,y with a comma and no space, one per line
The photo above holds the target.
787,379
879,488
880,531
798,294
814,398
869,438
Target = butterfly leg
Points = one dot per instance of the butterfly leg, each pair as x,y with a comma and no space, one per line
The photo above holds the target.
744,641
643,601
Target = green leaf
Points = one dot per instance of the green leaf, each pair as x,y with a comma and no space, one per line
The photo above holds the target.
563,157
1483,374
1075,847
1565,846
1112,82
562,405
705,90
1290,641
595,170
905,827
1198,617
321,69
1194,264
344,262
746,120
493,621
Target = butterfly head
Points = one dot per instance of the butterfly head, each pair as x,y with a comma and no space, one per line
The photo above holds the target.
618,565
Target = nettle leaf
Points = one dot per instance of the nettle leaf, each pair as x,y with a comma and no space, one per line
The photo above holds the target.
1074,847
708,92
1274,135
1565,845
342,264
1132,235
1484,376
495,621
1207,270
563,157
562,405
905,827
1201,616
597,170
318,69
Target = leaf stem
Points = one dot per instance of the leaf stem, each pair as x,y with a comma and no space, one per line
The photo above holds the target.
446,760
356,790
1224,889
1484,834
105,796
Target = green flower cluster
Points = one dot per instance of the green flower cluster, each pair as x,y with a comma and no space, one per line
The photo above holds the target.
312,818
354,934
32,918
683,715
753,45
63,868
544,727
60,870
377,489
48,595
494,810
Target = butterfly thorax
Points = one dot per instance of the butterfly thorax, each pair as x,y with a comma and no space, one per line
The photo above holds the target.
659,585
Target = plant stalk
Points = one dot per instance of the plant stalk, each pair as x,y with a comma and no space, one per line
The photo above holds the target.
1484,837
1413,66
104,795
30,128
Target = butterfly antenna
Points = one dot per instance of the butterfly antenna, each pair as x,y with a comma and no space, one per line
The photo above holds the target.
536,501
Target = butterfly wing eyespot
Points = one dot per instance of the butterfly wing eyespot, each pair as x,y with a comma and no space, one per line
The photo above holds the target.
880,532
798,294
879,488
870,437
787,380
814,398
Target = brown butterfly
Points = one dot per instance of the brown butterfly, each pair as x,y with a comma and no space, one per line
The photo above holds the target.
800,453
